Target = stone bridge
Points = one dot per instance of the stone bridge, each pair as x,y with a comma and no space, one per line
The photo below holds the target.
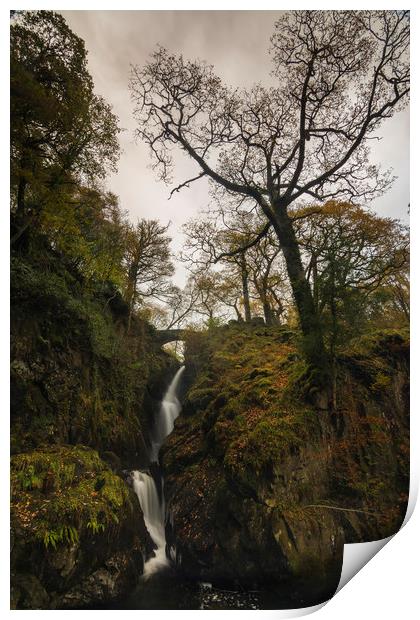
170,335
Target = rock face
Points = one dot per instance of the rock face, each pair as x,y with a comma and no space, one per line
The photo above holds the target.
78,537
77,379
264,489
76,375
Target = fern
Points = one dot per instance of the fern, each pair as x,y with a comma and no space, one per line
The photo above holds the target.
66,533
95,526
28,479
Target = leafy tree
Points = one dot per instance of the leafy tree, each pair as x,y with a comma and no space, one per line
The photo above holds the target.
348,247
215,238
230,292
268,277
340,74
208,303
389,305
208,243
62,134
88,229
352,257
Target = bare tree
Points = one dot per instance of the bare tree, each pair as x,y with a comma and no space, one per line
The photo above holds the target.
208,243
180,304
176,307
147,262
340,74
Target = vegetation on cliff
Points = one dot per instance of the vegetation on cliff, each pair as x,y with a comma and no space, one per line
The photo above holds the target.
259,476
60,491
77,523
77,377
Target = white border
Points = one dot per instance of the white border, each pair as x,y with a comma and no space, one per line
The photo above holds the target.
388,585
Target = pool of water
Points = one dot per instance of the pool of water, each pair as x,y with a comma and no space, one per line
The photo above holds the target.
171,590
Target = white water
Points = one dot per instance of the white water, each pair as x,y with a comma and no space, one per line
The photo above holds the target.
145,486
154,519
169,411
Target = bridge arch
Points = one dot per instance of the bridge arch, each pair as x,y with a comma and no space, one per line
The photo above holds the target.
170,335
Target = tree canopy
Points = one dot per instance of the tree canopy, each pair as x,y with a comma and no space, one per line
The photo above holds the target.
340,75
62,133
270,245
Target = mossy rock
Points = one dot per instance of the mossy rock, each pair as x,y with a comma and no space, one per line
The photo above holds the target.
256,470
61,493
70,515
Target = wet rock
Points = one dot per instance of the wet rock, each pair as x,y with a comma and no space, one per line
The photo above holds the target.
78,543
28,593
118,576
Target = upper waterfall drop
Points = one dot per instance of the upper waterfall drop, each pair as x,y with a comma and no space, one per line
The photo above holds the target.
151,501
168,412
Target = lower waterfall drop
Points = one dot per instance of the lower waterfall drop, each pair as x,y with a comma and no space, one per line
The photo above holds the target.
154,519
145,486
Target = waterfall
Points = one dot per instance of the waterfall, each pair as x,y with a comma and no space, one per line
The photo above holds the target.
154,519
169,411
145,487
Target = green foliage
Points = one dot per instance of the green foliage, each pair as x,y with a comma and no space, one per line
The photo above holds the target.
61,132
95,526
64,492
75,372
246,406
358,263
244,398
92,236
28,479
65,534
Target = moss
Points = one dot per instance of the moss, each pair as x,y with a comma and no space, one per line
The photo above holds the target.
261,414
381,382
201,397
258,475
245,399
60,493
76,376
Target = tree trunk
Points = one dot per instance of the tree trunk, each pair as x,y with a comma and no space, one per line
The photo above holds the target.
334,336
238,314
245,289
261,288
307,312
20,224
20,199
268,314
131,293
315,286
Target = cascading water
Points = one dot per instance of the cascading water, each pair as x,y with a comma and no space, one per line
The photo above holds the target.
144,485
154,519
169,411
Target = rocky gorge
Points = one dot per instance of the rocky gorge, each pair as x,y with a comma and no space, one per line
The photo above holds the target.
262,486
83,399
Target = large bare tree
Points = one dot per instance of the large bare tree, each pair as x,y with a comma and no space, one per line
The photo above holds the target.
339,75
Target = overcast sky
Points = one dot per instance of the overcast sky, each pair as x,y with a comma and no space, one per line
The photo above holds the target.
236,43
